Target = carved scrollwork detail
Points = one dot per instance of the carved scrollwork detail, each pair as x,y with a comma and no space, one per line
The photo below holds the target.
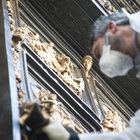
109,7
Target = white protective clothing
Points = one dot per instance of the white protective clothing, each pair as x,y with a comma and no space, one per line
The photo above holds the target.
134,20
55,131
131,133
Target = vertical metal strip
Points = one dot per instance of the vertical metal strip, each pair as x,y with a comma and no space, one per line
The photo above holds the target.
9,117
26,81
16,15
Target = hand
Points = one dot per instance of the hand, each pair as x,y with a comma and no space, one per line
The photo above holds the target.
55,131
42,125
32,116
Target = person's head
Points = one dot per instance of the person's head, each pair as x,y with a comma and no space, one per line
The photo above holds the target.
113,31
87,62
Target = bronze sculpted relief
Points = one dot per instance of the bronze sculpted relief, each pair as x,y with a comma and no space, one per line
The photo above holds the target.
60,63
51,108
63,66
109,7
113,122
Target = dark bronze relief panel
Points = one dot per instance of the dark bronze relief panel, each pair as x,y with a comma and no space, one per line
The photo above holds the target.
73,21
70,19
55,22
131,87
68,16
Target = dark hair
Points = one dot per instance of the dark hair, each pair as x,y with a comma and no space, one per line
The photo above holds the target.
100,26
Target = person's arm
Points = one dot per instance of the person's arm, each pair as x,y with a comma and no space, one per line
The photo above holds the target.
131,133
56,131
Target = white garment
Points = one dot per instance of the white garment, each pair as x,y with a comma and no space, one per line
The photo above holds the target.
134,20
131,133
